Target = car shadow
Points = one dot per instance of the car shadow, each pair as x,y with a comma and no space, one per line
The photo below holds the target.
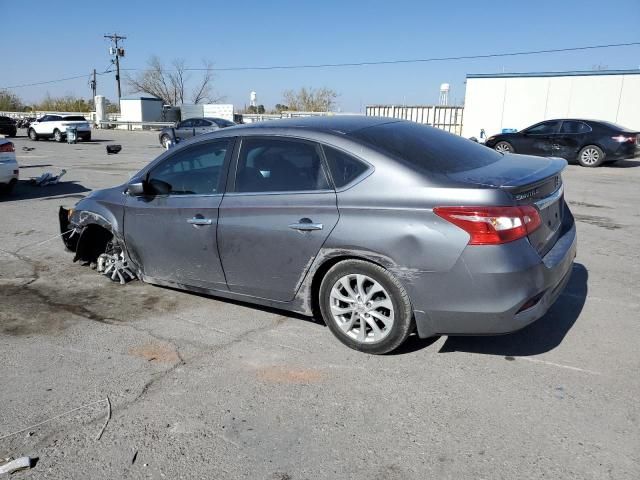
539,337
623,164
26,191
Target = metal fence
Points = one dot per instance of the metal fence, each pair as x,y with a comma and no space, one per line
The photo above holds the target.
446,118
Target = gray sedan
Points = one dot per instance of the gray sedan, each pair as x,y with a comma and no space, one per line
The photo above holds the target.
378,226
190,128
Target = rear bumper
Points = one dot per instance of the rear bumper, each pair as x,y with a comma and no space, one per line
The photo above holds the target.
623,152
487,291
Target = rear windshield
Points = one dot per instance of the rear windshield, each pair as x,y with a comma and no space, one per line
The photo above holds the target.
76,118
426,148
615,126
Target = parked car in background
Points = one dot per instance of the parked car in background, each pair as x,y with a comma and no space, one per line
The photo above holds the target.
55,126
9,170
190,128
381,225
8,126
588,142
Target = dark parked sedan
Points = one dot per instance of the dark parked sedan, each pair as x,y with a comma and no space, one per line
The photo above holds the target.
190,128
7,126
382,226
589,142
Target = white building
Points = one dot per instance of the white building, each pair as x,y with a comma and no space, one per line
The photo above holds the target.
494,102
141,109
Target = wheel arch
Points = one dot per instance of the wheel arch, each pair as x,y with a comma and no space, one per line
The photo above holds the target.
92,241
325,262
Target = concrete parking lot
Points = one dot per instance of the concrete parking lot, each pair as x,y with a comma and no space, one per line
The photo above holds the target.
205,388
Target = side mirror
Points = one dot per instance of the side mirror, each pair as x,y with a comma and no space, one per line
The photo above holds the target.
136,189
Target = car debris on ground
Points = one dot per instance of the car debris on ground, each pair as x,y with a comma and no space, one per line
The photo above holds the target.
47,178
113,149
21,463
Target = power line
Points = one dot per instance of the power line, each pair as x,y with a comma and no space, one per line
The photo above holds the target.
368,63
415,60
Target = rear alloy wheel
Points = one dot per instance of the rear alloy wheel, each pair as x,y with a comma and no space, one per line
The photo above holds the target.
504,147
33,135
57,135
365,307
591,156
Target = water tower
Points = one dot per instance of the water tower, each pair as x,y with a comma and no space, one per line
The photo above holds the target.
444,94
253,98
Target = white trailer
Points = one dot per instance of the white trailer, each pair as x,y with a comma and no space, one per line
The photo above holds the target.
494,102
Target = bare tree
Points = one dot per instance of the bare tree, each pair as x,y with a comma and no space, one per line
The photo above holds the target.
172,85
310,100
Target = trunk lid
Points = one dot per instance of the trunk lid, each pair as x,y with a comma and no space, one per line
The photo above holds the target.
529,180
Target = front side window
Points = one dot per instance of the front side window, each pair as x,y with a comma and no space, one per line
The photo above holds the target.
186,124
545,128
194,170
343,167
277,165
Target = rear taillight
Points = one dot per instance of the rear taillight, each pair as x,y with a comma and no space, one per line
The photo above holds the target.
7,147
625,138
492,225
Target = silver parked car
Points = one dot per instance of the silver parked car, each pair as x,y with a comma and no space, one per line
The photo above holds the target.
380,225
190,128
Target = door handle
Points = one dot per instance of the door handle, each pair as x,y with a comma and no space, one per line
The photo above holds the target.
305,225
199,221
555,146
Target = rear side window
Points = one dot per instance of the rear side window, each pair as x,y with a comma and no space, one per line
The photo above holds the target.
344,168
222,123
277,165
426,148
574,127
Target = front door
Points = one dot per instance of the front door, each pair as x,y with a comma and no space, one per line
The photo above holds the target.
276,218
171,230
185,130
539,139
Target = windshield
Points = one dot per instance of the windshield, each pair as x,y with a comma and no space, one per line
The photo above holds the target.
426,148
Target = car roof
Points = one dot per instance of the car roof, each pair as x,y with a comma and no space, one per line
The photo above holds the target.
327,123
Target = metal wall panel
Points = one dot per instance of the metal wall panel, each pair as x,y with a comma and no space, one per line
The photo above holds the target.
447,118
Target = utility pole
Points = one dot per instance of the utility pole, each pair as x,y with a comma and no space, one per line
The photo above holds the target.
93,84
117,52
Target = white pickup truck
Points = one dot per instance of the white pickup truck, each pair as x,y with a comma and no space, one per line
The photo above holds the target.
55,126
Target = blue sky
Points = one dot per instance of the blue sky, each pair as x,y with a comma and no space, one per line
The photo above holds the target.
51,43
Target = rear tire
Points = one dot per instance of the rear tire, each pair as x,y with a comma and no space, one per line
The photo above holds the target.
591,156
504,147
33,135
57,135
365,307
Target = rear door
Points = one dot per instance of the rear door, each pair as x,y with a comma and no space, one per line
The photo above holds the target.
204,126
171,231
279,212
539,139
570,139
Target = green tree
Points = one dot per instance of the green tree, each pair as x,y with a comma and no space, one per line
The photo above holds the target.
66,103
310,99
10,102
